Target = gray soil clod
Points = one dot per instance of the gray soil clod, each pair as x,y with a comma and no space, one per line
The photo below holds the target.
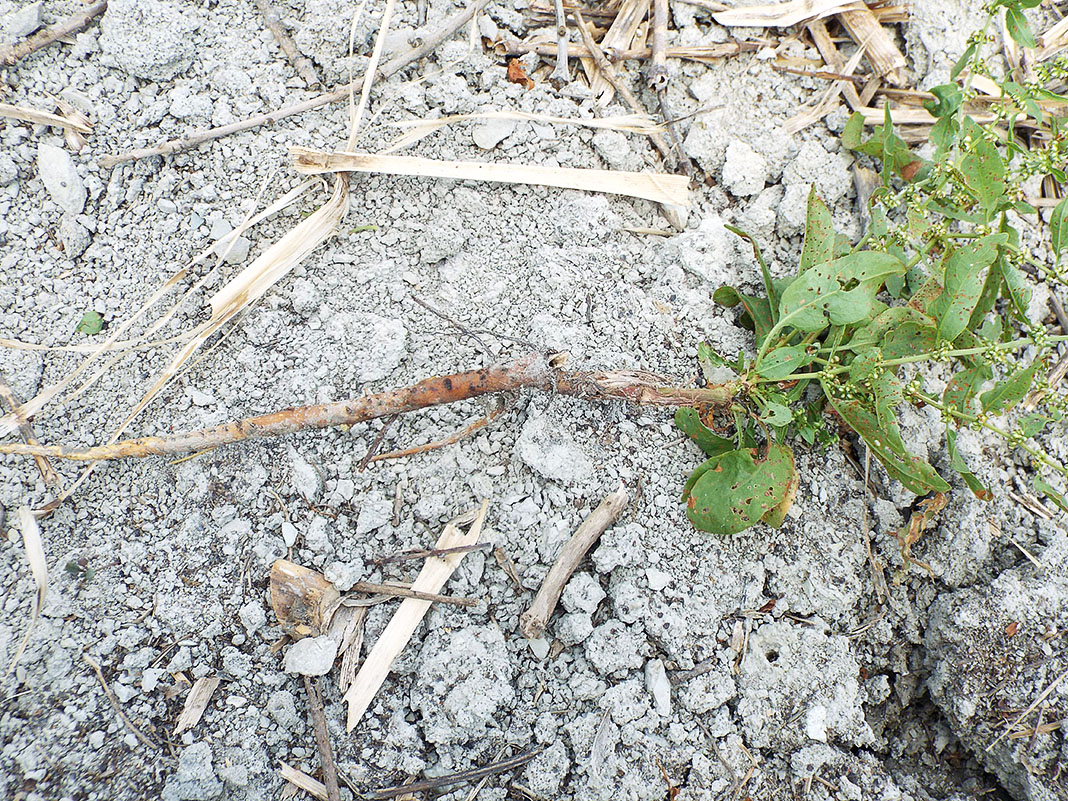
667,652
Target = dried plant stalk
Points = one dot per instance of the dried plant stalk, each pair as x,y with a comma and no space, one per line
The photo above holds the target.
25,114
784,15
658,187
620,36
530,371
9,54
195,703
532,622
882,53
402,625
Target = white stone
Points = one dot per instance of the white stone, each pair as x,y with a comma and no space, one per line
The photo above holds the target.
61,178
549,450
21,23
744,170
487,135
312,656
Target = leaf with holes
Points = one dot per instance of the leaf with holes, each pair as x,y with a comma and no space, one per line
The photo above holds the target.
781,362
885,443
841,292
1058,227
1010,391
688,421
738,489
983,169
963,285
819,234
961,390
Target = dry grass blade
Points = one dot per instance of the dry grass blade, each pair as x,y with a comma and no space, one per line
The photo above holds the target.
658,187
31,541
882,53
913,116
620,36
195,703
1034,705
784,15
432,578
32,115
418,129
1052,41
302,780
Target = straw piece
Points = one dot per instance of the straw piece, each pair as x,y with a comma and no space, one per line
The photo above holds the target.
911,116
432,578
31,541
10,54
784,15
620,36
701,53
418,129
300,62
302,780
658,187
882,53
1052,41
42,118
195,703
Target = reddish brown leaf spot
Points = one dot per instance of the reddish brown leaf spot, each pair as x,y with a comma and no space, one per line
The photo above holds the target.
908,172
516,74
1010,630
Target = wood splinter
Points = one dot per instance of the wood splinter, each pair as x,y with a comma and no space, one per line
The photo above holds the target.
532,623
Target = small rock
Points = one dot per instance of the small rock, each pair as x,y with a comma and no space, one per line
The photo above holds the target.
657,579
195,779
61,178
9,171
74,236
235,252
150,679
148,39
312,656
305,478
539,647
489,134
550,451
21,23
744,171
659,687
375,512
582,594
252,616
289,534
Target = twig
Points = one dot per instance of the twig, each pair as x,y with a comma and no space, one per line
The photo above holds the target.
529,371
300,62
427,553
406,592
391,67
373,449
609,74
9,54
560,75
532,622
702,53
463,329
115,703
457,778
657,76
322,739
452,439
48,472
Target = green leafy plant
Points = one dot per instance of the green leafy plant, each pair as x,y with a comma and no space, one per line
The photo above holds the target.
91,323
940,277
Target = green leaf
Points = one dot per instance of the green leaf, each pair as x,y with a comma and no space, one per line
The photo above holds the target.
736,490
91,323
1018,27
885,443
874,332
909,339
769,284
983,168
1058,227
889,394
1033,423
956,461
1016,288
948,98
1042,487
757,317
841,291
780,362
1010,391
865,366
688,421
963,285
819,234
962,62
777,415
961,390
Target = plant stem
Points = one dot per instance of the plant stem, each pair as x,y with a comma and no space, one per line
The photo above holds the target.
534,371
